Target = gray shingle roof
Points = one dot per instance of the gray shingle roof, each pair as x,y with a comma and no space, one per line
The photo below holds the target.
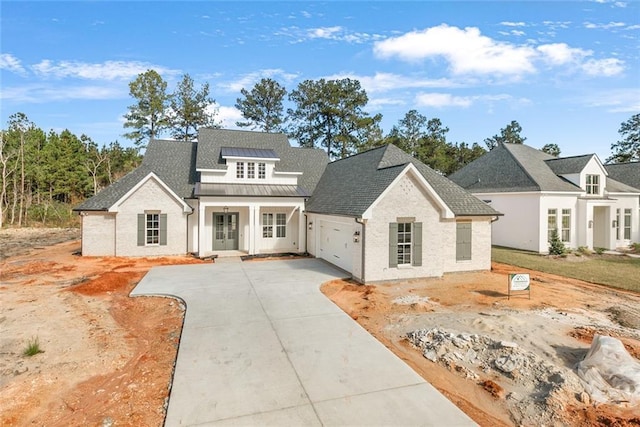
627,173
568,165
350,186
172,161
512,168
311,161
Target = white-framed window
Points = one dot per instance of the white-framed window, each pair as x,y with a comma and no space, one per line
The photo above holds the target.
565,235
267,225
593,184
627,224
262,171
240,170
281,225
404,243
618,224
552,222
251,170
152,228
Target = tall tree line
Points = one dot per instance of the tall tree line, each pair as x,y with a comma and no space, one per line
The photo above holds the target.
44,174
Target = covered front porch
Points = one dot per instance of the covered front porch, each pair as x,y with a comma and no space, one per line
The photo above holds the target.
259,226
596,223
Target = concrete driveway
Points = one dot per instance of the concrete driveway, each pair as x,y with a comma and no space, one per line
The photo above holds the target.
261,345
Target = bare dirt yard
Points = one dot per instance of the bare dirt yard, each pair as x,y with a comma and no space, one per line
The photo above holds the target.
502,361
106,359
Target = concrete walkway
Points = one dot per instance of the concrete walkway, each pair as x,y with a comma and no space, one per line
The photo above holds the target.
261,345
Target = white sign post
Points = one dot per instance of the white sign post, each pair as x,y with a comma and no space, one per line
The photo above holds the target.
519,282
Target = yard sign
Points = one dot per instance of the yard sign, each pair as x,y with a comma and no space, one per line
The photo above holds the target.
519,282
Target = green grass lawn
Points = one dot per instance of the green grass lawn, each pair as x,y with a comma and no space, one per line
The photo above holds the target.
612,270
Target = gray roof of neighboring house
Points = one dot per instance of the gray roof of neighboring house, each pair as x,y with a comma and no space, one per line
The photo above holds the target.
515,168
628,173
568,165
311,161
351,185
171,161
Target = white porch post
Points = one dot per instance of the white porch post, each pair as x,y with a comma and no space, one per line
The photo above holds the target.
252,229
302,230
201,228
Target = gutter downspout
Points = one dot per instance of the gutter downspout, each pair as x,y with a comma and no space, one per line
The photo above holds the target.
187,224
362,222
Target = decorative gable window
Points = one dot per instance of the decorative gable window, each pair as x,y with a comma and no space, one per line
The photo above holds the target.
251,170
262,170
463,241
152,229
240,170
593,184
405,243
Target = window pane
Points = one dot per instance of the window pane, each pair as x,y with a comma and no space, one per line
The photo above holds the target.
404,243
152,231
251,170
240,170
566,225
261,171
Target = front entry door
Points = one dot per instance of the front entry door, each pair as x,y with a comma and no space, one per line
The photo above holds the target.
225,231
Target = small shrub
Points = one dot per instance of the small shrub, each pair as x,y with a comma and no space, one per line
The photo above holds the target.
556,247
599,251
635,248
33,347
583,250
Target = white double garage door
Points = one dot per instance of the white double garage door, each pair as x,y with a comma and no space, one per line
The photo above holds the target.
336,243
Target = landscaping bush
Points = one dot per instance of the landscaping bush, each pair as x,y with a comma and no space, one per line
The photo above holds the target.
556,247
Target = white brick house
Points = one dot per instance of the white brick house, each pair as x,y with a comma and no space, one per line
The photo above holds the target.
380,215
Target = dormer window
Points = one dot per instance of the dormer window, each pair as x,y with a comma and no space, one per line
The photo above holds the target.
262,170
251,170
240,170
593,184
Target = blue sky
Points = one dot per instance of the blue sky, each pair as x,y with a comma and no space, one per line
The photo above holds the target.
568,72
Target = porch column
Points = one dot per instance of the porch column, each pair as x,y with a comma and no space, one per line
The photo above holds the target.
201,228
252,229
302,230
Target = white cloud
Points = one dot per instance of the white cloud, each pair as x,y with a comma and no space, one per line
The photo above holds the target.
335,33
608,26
384,82
603,67
11,63
466,50
616,101
48,93
324,33
439,100
247,81
377,104
561,53
513,24
228,116
109,70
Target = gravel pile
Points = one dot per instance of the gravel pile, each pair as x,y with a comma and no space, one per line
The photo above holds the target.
529,384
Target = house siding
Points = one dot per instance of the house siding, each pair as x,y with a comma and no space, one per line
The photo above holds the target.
98,233
151,196
405,199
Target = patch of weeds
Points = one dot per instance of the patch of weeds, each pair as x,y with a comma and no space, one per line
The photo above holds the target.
635,248
583,250
33,347
599,251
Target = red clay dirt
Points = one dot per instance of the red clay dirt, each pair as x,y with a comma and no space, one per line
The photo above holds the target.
474,299
107,358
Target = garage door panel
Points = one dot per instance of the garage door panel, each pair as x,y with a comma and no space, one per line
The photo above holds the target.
334,244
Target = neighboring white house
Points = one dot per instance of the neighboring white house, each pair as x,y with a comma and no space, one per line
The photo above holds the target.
537,193
379,215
